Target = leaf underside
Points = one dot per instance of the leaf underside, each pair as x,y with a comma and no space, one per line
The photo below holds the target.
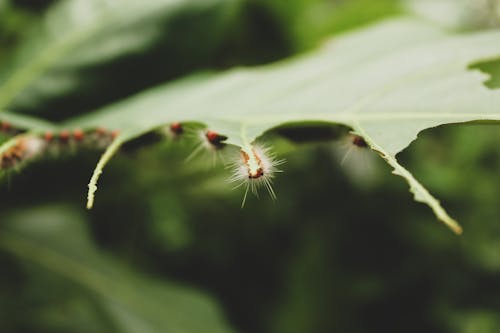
387,82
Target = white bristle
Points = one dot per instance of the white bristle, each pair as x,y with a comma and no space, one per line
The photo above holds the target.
357,160
255,167
205,145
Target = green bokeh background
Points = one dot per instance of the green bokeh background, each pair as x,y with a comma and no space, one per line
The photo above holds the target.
335,253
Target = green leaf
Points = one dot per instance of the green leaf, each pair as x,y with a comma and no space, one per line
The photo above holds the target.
56,238
387,82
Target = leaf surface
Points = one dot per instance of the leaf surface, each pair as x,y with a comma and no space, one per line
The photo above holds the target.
387,82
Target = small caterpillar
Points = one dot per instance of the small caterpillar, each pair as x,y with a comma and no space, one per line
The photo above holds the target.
24,149
211,141
176,129
99,138
214,140
255,167
350,144
358,141
357,159
172,131
70,141
27,147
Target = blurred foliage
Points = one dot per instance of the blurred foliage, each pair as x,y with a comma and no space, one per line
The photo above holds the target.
55,238
307,22
459,15
14,24
326,257
227,33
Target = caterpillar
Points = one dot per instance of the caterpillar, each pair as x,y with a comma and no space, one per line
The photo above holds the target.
255,167
24,149
357,159
27,147
213,140
358,141
176,129
210,141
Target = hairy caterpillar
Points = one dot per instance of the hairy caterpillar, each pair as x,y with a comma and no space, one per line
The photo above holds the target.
176,129
23,149
255,167
210,141
214,140
357,159
172,131
27,147
352,143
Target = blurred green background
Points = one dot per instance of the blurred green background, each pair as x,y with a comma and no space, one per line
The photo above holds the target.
167,247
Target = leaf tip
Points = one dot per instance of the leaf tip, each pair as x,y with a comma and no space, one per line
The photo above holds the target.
91,195
110,151
453,225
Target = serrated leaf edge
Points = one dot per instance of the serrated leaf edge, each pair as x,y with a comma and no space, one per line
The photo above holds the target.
420,193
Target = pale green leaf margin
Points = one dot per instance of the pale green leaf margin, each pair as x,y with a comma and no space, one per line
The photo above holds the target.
420,193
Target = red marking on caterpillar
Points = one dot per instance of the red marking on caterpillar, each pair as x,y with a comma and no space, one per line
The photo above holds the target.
64,136
258,171
24,149
48,136
255,167
212,142
65,140
357,160
358,141
215,139
5,126
354,142
176,129
78,134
